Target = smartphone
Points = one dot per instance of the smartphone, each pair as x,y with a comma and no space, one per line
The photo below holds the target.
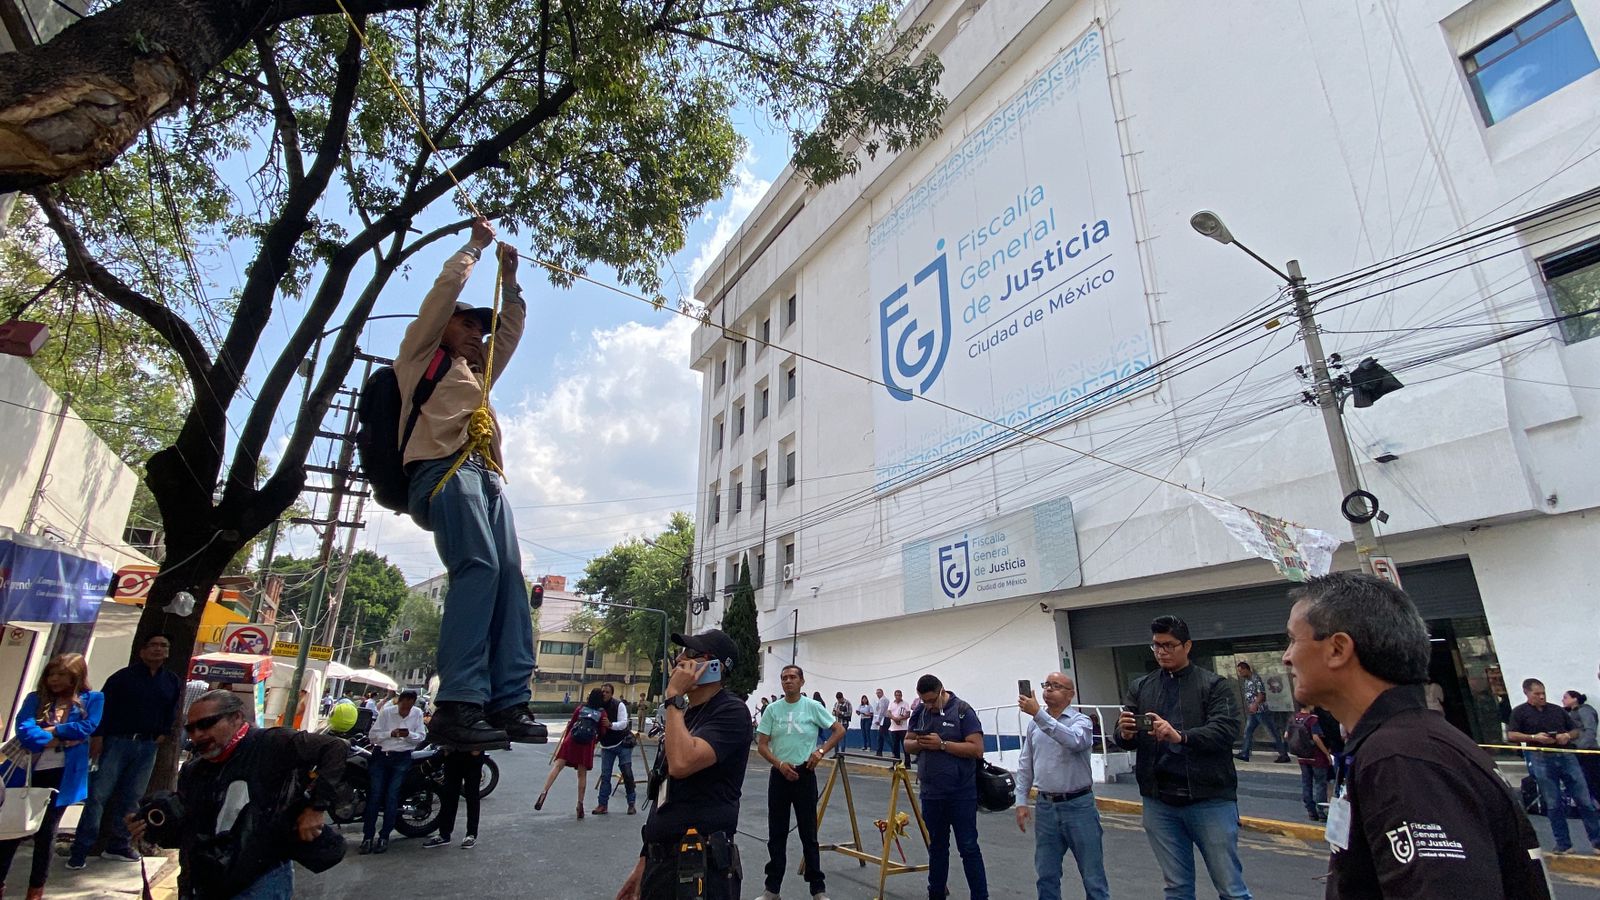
1024,688
1145,723
712,673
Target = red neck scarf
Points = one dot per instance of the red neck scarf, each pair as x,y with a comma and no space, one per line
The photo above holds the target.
233,744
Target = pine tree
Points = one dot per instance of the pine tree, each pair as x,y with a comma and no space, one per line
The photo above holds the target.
739,623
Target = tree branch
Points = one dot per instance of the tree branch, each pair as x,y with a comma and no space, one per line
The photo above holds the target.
765,59
84,269
282,111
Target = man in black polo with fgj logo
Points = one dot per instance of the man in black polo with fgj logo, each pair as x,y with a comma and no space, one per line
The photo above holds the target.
1418,810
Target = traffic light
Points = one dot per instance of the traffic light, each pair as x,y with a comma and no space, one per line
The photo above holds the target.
1371,381
536,596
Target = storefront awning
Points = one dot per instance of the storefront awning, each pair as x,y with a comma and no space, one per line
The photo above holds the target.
41,581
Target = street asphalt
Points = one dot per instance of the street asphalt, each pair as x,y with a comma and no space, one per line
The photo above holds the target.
549,854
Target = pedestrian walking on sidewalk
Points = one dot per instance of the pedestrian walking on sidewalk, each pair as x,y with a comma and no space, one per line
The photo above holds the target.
1257,714
947,740
1418,810
576,749
1181,721
784,739
1305,739
1055,760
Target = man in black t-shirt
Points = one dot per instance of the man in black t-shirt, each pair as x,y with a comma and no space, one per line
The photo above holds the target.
1548,725
697,780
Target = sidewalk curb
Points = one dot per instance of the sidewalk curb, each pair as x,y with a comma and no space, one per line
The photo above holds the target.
1557,862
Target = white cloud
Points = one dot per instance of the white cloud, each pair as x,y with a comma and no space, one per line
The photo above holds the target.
748,189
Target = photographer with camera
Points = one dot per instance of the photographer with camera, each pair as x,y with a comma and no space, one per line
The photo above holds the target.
1182,721
249,801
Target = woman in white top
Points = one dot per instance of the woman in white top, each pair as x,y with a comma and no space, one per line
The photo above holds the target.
54,726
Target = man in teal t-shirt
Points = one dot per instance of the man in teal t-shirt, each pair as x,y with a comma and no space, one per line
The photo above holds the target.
787,738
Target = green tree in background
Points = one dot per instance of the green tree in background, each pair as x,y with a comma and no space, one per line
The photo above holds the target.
420,615
643,573
739,623
374,592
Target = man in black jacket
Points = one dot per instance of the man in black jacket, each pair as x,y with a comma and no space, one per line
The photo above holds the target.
1419,810
244,800
1182,721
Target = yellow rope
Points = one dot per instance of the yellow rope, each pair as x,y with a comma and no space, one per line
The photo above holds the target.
480,429
1536,747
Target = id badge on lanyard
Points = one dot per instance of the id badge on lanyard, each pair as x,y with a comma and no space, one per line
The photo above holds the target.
1339,813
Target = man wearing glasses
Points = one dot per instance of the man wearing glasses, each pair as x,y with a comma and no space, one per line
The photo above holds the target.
1055,760
245,799
1182,722
696,781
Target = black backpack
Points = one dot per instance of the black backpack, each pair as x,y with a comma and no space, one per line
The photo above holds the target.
1300,742
586,727
378,419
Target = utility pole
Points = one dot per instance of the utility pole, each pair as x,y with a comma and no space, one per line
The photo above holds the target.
1327,399
266,571
331,628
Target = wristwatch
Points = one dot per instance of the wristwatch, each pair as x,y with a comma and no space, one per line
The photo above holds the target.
680,702
941,743
474,252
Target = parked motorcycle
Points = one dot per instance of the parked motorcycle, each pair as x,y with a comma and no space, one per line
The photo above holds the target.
419,793
433,769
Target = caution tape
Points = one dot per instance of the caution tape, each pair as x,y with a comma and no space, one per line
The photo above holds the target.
1536,747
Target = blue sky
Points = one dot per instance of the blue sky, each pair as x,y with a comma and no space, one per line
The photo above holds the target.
599,406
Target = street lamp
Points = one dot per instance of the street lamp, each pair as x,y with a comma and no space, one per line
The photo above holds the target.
1357,507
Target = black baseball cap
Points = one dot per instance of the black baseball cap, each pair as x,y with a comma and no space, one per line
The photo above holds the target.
483,314
712,643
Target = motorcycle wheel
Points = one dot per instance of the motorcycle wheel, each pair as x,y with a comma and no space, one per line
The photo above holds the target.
490,778
419,811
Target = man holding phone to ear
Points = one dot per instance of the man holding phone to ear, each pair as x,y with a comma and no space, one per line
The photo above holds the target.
696,781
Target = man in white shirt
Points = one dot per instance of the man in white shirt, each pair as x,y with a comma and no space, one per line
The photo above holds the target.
899,720
880,719
396,731
616,748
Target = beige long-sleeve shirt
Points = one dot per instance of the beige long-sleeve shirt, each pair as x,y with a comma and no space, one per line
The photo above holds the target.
442,427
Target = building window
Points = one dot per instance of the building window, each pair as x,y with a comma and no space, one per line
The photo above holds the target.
711,581
766,332
791,308
788,469
716,435
788,555
716,504
1574,281
738,420
763,408
738,496
592,658
561,648
722,373
1529,61
759,575
789,383
742,355
761,484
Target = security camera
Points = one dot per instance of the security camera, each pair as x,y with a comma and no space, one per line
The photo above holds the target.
1044,608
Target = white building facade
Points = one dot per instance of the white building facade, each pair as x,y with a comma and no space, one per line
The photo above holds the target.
956,404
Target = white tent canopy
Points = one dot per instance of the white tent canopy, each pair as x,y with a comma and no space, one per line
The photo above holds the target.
337,670
374,678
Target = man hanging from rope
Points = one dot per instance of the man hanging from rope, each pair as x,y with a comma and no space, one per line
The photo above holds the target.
453,459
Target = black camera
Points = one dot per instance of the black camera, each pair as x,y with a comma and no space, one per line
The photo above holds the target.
162,813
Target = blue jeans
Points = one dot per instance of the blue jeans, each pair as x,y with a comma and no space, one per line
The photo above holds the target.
385,771
1059,827
1259,720
1313,787
1210,825
486,635
866,735
960,816
622,757
276,884
1558,773
114,788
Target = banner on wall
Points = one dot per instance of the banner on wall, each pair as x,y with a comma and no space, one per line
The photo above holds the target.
1006,283
1030,551
41,581
1297,552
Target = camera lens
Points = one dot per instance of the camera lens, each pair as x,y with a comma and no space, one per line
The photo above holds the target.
154,817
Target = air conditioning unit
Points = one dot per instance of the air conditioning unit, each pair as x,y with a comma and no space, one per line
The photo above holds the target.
788,572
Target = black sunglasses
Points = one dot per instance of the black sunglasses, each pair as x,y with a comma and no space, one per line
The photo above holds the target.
203,724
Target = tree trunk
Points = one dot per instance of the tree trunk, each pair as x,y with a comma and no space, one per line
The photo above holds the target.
77,102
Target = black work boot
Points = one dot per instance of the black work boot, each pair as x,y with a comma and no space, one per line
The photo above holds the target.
519,725
462,726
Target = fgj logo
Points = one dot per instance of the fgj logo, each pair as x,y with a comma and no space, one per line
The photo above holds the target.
913,353
955,569
1400,842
